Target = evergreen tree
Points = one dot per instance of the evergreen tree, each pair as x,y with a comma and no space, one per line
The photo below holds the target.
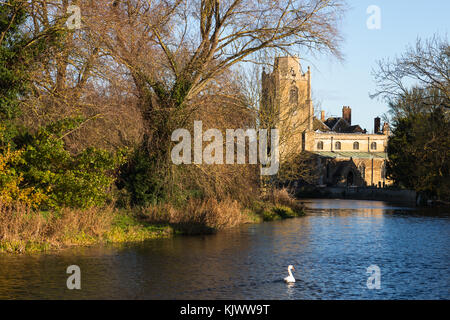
418,149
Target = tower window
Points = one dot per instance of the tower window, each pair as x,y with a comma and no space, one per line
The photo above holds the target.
320,145
337,145
293,95
355,145
373,146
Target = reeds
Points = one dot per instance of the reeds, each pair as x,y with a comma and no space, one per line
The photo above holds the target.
198,216
23,229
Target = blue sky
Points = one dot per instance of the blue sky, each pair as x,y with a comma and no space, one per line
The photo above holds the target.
336,83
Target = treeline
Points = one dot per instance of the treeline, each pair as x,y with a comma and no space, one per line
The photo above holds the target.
87,113
417,87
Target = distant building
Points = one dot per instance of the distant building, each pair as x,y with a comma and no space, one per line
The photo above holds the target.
344,153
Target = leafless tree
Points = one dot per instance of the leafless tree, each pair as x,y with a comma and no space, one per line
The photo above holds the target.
79,78
174,50
425,65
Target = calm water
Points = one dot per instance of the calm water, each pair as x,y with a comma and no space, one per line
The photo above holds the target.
330,248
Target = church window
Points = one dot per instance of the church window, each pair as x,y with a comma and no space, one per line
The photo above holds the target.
373,146
337,145
293,95
320,145
355,145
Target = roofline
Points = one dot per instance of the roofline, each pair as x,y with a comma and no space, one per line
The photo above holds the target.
348,133
340,155
322,122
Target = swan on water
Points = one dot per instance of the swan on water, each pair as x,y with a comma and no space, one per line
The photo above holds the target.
290,278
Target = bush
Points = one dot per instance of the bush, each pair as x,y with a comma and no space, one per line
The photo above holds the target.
43,174
139,182
11,179
277,204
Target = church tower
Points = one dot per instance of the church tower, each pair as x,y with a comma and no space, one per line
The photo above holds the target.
286,103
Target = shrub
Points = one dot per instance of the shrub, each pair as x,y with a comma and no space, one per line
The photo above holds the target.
11,179
277,204
138,180
42,173
282,197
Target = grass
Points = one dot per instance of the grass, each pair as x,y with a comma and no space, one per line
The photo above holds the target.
128,228
24,230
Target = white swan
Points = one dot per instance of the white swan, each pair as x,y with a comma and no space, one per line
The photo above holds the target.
290,278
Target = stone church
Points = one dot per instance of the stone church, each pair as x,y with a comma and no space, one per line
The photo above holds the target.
343,153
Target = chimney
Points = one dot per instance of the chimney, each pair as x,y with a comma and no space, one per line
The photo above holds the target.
376,128
322,116
347,114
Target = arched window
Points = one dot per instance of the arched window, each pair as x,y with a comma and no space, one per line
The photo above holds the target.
293,95
373,146
320,145
355,145
362,170
337,145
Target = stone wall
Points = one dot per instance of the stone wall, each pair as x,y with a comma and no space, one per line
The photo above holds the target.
351,172
394,195
347,140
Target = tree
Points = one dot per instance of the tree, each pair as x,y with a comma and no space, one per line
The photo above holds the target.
416,86
426,65
174,50
76,77
36,167
418,153
20,52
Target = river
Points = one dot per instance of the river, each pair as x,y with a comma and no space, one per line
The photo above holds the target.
330,248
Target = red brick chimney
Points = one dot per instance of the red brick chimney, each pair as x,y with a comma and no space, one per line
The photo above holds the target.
322,116
347,114
376,127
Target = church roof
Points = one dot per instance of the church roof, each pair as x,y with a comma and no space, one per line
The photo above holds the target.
337,124
319,125
331,122
353,129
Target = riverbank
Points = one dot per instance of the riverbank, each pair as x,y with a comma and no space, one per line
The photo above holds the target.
23,230
358,193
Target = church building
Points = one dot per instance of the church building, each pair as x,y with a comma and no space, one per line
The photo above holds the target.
344,154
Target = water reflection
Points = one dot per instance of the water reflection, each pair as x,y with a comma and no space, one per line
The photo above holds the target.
330,248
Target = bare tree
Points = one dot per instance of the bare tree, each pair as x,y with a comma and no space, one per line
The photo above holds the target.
427,65
79,78
192,41
174,49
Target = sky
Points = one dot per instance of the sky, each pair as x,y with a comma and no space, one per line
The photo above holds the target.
348,83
